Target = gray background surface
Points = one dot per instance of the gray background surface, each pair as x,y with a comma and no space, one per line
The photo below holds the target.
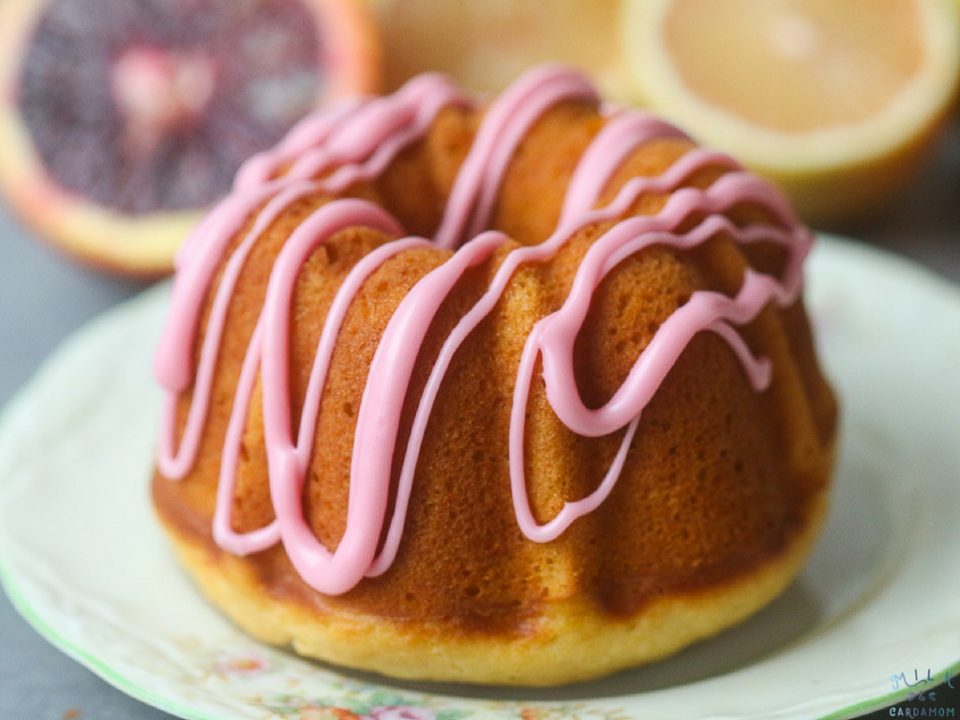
44,297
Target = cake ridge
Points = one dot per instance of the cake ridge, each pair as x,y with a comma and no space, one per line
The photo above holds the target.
471,202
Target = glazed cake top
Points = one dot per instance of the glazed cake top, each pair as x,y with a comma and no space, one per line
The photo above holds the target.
358,140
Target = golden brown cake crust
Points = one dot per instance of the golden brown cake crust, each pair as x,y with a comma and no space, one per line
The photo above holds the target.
721,495
546,648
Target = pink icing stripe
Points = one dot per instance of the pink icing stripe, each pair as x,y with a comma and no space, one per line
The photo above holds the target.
305,135
254,541
704,311
616,141
223,532
289,461
507,121
388,125
518,484
359,142
382,132
173,362
419,307
559,330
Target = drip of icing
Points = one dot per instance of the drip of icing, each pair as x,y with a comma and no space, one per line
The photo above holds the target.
319,225
380,132
610,148
507,122
306,135
357,141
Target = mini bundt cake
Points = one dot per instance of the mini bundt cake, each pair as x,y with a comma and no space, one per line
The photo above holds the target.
523,393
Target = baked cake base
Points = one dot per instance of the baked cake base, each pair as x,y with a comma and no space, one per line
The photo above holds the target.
571,640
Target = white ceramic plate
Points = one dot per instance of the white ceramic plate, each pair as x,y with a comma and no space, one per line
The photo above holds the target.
879,603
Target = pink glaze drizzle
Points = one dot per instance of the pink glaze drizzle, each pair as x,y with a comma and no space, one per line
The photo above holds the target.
357,141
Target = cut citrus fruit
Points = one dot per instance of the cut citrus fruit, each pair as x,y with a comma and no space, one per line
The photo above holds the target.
486,45
836,101
120,120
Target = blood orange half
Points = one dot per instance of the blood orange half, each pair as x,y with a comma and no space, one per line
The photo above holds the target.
121,120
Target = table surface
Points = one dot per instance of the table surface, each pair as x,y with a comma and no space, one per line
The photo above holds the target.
45,297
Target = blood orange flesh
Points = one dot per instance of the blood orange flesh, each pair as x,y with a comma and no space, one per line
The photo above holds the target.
128,117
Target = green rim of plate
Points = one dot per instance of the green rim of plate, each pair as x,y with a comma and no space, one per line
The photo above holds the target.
99,667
